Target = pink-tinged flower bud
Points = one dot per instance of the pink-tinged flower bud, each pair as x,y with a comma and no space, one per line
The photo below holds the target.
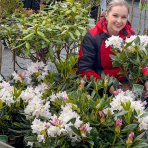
85,128
145,71
101,114
22,76
131,135
47,125
129,140
118,126
65,98
56,122
118,122
82,83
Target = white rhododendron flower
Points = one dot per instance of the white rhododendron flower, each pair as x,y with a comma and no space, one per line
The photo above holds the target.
137,105
114,42
144,42
30,144
125,97
40,88
6,93
38,126
53,97
143,123
60,95
35,67
73,136
54,131
108,110
40,68
130,39
41,138
18,76
37,107
29,93
67,114
61,125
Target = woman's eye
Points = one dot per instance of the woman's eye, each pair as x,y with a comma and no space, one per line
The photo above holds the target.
115,15
124,17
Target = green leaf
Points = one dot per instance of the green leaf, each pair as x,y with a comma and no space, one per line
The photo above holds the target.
28,36
74,9
42,35
137,40
75,130
20,131
77,33
72,36
20,45
121,113
94,132
27,51
144,114
129,128
91,142
30,138
28,45
140,136
141,145
73,120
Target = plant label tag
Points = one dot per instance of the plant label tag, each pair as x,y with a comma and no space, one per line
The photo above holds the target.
138,90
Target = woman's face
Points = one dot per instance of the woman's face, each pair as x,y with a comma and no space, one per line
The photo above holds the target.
117,19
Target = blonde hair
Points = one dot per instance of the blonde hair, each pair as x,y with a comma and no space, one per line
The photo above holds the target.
117,3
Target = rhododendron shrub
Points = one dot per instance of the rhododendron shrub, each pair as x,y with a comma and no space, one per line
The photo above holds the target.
74,116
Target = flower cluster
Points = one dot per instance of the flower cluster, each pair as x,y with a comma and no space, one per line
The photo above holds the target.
119,102
6,93
125,101
60,95
61,125
115,42
35,71
118,43
132,55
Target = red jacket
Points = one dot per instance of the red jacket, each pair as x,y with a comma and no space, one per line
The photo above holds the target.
94,57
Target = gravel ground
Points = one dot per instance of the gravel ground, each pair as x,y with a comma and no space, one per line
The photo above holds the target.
7,63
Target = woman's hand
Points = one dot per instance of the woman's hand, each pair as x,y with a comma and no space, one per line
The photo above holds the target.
124,86
112,90
146,90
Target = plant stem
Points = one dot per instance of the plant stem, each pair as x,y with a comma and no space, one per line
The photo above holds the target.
114,141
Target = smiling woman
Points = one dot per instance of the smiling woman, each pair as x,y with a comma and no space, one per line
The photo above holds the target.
94,57
117,19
